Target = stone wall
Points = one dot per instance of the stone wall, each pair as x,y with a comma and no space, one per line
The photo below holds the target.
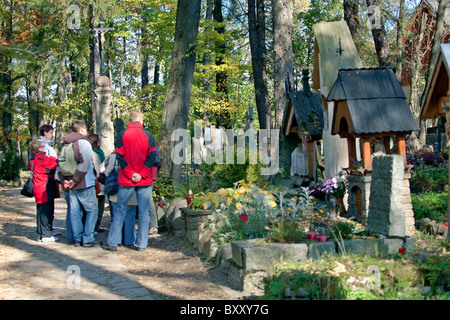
253,260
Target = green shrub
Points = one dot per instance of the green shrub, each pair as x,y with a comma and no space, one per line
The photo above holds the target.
162,187
429,179
10,166
285,230
430,205
342,230
316,284
228,174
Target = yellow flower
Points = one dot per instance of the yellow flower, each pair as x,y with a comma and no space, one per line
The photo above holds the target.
321,211
317,214
272,203
292,199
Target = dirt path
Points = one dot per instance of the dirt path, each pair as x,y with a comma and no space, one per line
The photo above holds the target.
168,269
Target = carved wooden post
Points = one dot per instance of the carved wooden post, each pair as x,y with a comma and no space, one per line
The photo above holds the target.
401,147
366,153
105,127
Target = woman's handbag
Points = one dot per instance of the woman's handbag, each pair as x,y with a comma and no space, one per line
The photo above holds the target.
27,189
112,183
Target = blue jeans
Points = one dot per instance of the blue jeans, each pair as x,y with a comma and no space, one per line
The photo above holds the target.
88,199
143,201
128,234
69,230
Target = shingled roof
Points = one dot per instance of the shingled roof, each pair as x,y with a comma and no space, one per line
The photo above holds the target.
375,99
330,37
436,94
308,110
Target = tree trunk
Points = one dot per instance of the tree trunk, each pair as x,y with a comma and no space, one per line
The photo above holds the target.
221,76
381,41
282,11
94,66
156,76
399,44
416,68
144,71
351,10
179,84
144,45
207,55
61,97
6,79
256,21
122,66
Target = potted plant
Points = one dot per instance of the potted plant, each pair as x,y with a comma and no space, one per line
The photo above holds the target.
336,187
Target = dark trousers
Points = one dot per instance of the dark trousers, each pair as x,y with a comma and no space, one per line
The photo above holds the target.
44,218
101,209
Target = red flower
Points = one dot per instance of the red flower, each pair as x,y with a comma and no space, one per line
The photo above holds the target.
244,217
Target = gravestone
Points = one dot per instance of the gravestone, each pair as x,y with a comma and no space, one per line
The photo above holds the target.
389,213
299,160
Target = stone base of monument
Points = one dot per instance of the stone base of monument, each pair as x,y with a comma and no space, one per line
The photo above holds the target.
252,261
358,197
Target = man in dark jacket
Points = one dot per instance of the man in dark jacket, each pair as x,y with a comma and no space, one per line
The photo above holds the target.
136,153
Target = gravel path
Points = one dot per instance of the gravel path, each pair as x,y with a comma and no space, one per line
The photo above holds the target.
30,270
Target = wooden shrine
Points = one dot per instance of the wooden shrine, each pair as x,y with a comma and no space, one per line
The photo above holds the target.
436,103
334,49
303,125
370,105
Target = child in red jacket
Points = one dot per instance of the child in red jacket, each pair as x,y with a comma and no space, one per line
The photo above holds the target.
45,189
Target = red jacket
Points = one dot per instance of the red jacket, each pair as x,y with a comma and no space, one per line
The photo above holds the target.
45,187
136,152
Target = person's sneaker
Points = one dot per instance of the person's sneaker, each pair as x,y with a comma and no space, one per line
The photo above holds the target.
56,233
111,248
77,243
49,239
140,249
153,230
90,244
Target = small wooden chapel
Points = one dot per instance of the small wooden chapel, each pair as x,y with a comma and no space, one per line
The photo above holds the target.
371,105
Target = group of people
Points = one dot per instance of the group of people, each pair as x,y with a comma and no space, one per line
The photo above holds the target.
136,159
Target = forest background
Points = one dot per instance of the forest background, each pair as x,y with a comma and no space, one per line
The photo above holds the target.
240,54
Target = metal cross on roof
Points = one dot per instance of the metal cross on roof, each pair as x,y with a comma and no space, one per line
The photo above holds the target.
339,51
100,31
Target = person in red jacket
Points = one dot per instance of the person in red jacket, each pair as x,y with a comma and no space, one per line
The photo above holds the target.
45,190
136,153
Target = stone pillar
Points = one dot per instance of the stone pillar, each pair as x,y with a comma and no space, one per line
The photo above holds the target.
105,127
389,213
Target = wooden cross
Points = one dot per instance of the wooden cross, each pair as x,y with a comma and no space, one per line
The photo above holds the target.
100,31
